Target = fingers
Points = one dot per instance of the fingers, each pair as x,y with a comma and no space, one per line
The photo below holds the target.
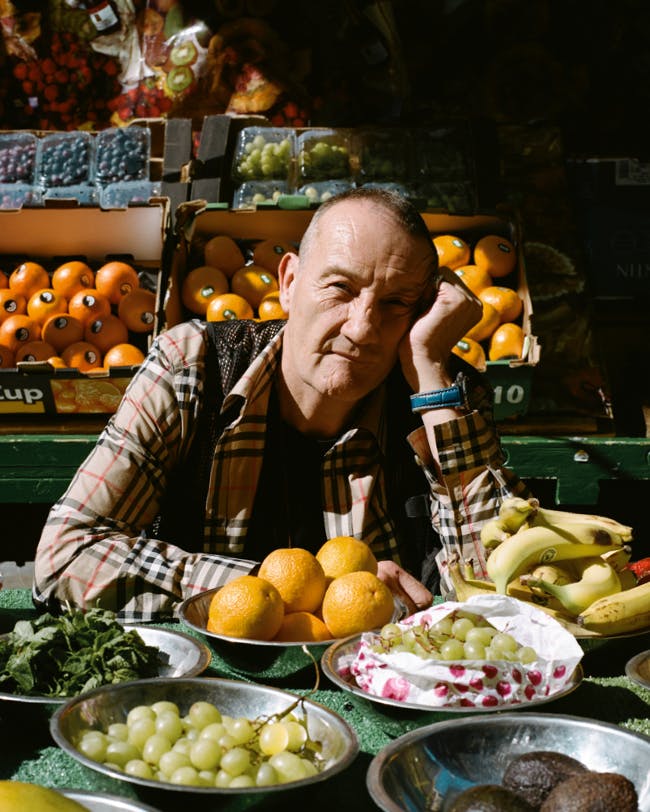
413,594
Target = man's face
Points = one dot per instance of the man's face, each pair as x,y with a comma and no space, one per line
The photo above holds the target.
351,298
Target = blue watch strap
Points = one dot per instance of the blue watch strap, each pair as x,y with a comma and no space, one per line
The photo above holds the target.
451,397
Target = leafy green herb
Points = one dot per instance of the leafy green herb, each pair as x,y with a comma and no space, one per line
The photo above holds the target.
65,655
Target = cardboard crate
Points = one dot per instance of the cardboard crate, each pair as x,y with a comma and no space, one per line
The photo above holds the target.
512,379
50,236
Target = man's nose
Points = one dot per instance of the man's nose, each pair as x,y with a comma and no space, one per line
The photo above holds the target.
363,320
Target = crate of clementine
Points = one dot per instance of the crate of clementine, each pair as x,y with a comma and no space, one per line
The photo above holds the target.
225,267
80,296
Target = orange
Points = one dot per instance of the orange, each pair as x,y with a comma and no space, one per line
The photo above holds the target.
475,278
496,255
343,554
27,278
507,341
89,304
35,351
19,329
200,285
115,279
7,357
11,303
228,306
268,253
302,627
357,602
506,301
4,280
253,283
222,252
45,303
138,310
123,355
486,325
82,355
453,252
246,607
270,307
105,332
472,352
62,329
71,277
297,575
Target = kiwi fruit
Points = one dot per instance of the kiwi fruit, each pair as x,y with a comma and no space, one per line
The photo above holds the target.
180,78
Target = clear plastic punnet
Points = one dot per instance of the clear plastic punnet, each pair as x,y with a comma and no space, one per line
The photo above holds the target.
264,153
64,159
122,154
259,193
17,157
383,154
324,154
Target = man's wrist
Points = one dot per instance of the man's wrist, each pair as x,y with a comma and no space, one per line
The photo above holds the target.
448,397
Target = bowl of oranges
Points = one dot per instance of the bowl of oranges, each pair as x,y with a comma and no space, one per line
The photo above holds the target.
294,607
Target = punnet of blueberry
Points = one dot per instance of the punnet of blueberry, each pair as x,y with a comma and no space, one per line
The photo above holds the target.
64,159
122,154
17,157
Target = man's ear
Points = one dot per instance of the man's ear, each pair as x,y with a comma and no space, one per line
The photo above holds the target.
287,271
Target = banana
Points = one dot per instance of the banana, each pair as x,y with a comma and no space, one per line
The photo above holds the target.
513,515
552,573
618,558
625,612
537,545
587,528
466,587
597,580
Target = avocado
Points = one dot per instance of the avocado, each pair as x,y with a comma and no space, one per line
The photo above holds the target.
489,798
533,775
592,792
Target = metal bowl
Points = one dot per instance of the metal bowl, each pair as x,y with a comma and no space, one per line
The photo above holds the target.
426,768
103,706
334,660
638,669
180,655
255,655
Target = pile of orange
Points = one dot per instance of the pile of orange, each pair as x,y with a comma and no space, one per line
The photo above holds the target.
230,285
487,267
74,317
297,596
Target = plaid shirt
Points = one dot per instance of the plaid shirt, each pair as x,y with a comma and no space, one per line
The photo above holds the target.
94,548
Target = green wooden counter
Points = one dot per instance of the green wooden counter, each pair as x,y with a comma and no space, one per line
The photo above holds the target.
28,753
36,467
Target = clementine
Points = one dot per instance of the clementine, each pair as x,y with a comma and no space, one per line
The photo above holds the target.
496,255
222,252
200,285
89,304
27,278
270,307
4,280
228,306
302,627
81,355
453,252
486,325
35,351
7,357
62,329
297,575
71,277
45,303
475,278
138,310
506,301
123,355
357,602
472,352
507,341
268,253
105,332
246,607
115,279
19,329
343,554
253,283
11,303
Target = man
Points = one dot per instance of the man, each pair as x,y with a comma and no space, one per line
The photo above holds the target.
202,472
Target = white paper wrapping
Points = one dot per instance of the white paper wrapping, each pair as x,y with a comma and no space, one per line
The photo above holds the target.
405,677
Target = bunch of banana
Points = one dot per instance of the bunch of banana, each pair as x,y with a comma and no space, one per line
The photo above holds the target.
545,536
622,613
596,579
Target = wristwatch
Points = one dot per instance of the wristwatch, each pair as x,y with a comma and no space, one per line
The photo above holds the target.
452,397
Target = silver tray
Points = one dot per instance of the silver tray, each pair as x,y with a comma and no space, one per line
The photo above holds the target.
330,663
99,802
638,669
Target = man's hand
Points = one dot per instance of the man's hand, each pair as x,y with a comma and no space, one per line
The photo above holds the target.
404,586
425,349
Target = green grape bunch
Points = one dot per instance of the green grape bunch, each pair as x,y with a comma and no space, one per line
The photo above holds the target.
262,160
205,748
